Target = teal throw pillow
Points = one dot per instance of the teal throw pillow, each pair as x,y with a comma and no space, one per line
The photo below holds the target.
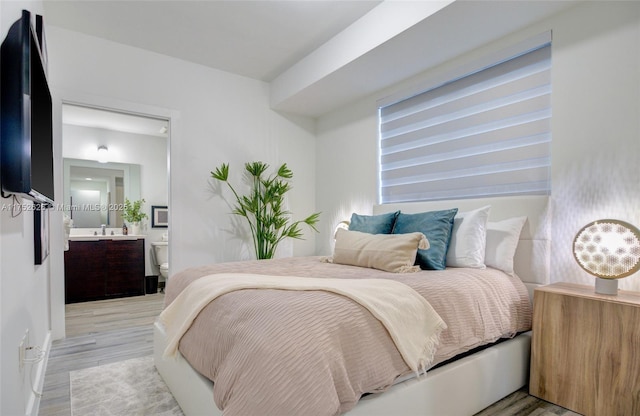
437,226
373,224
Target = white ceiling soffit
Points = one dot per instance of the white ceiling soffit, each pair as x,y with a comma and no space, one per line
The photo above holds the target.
385,22
110,120
441,35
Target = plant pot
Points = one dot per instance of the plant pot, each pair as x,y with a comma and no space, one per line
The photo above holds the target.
135,228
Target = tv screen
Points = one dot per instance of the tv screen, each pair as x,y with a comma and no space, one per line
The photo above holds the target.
26,131
41,129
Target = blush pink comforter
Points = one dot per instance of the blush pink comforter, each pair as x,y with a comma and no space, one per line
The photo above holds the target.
275,352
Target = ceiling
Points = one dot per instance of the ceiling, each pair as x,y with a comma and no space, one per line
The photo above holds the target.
310,51
257,39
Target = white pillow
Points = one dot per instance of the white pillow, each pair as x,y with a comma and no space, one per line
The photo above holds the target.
502,240
468,239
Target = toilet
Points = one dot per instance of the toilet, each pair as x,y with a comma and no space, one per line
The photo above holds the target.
161,256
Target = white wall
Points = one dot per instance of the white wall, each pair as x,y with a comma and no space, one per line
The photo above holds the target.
596,131
24,287
150,152
218,117
596,126
215,116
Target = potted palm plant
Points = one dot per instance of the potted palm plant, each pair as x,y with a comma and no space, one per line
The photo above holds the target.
263,207
133,215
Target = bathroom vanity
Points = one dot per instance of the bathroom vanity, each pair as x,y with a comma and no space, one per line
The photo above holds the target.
104,267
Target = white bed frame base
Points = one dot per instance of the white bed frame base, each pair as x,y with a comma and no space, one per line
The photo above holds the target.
192,390
463,387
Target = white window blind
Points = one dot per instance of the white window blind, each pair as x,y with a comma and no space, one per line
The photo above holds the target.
484,134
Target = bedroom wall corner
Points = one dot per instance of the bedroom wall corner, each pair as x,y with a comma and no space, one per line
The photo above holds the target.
296,136
347,167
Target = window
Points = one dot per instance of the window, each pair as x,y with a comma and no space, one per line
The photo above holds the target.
487,133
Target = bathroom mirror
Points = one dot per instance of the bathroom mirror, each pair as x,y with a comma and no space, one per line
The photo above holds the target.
94,192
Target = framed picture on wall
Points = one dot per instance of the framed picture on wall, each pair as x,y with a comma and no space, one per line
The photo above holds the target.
159,216
40,232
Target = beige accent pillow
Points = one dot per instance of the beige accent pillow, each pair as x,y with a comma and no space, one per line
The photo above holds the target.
394,253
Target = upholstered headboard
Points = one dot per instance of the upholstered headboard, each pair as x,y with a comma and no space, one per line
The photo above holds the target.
532,258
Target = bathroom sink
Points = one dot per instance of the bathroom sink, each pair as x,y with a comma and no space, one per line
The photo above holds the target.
91,237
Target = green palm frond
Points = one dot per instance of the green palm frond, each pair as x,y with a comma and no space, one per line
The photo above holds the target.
285,172
221,173
256,169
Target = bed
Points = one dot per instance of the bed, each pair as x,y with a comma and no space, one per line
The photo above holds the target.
452,386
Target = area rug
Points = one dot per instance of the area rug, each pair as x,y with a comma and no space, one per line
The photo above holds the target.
125,388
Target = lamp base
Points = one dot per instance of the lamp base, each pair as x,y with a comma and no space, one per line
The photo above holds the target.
606,286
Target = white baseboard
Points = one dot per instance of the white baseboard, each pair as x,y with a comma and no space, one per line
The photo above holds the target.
36,376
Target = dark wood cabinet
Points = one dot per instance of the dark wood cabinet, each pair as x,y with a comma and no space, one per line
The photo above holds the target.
103,269
84,271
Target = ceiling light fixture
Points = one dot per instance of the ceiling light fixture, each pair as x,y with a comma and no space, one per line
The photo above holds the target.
103,154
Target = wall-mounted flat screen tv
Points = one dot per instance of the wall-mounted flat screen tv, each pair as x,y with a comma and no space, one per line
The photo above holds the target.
26,131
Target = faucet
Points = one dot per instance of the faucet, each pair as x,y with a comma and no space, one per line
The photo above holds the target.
104,229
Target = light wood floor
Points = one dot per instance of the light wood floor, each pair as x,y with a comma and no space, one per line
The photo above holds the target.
114,330
113,314
98,333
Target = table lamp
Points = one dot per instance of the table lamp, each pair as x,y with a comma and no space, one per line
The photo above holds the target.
609,250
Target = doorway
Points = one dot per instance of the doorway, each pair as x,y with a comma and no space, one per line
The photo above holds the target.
111,156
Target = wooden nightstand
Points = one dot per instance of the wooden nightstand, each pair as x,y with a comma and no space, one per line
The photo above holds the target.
585,350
